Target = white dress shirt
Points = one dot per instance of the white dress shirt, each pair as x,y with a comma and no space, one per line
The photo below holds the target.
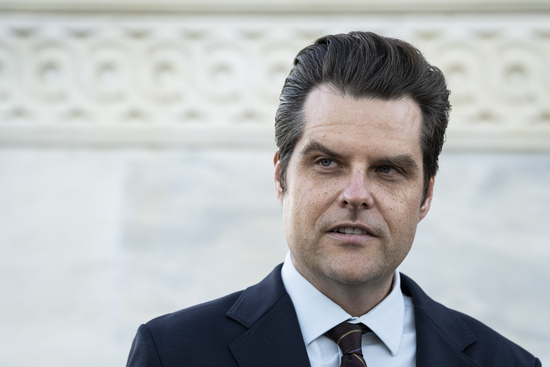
392,341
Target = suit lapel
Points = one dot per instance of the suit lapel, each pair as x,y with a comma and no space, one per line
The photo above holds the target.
273,337
441,337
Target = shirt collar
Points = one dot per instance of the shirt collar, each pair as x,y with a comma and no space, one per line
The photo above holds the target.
317,313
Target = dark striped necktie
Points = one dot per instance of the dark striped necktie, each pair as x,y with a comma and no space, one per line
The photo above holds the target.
348,337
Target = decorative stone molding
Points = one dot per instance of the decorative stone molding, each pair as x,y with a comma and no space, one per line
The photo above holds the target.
276,6
214,79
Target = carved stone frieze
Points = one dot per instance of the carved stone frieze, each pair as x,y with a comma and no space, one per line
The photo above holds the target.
199,79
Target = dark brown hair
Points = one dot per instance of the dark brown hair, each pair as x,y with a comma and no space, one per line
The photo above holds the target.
365,65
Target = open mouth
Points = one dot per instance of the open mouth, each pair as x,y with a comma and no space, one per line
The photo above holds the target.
350,230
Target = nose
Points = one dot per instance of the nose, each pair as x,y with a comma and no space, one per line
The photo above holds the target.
357,193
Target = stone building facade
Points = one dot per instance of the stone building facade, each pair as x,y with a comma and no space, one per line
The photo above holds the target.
136,141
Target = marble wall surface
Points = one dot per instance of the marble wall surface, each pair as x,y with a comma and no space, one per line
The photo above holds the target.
136,176
96,242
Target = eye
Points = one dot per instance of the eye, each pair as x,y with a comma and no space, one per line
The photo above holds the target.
386,169
325,162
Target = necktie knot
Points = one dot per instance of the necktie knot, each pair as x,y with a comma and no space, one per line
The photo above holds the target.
348,337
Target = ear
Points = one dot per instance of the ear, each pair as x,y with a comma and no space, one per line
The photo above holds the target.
277,177
425,208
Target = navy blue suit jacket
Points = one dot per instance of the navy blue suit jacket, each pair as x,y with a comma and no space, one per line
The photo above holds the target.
258,327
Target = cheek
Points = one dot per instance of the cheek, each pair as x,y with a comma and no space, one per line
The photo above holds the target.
402,221
302,211
309,196
295,214
402,215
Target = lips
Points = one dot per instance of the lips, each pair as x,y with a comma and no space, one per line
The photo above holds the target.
353,230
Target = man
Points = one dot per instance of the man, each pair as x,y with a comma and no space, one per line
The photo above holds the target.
359,130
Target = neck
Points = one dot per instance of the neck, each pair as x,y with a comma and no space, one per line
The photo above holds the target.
356,299
358,302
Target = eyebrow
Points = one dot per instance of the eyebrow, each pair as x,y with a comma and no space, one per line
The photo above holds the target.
315,146
401,160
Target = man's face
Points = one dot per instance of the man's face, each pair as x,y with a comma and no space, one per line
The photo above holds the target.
354,188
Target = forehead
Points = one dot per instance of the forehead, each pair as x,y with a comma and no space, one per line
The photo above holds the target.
360,123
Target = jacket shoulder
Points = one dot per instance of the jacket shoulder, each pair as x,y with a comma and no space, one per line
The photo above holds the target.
201,335
493,347
182,324
198,335
243,308
461,333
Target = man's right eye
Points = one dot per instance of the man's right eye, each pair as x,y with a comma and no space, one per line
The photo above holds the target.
325,162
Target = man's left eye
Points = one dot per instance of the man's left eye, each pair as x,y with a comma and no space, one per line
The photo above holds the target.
325,162
385,169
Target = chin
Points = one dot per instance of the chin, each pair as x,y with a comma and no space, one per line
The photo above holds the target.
347,280
353,275
356,270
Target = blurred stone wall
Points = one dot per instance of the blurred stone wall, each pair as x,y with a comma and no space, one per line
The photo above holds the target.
136,147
